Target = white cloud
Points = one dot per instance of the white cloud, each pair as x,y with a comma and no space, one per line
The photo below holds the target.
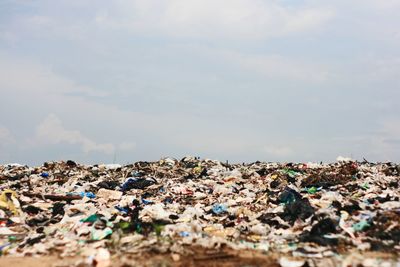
127,146
253,19
266,65
38,21
7,144
37,78
5,136
379,145
8,36
386,4
114,61
278,151
391,133
373,69
385,68
52,131
277,66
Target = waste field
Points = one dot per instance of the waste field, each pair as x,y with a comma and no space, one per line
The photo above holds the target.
301,212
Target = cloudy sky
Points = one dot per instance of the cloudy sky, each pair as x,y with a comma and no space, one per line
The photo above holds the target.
239,80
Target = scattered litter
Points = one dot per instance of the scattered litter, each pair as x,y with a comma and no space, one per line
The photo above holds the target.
109,194
304,210
360,226
219,208
9,202
285,262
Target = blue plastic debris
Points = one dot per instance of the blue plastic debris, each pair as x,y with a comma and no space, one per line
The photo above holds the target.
44,174
137,183
87,194
168,200
123,210
147,202
219,208
137,174
184,234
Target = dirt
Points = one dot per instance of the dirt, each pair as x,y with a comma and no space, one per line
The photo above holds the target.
201,259
211,260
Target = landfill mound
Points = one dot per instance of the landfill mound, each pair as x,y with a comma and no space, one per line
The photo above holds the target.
202,210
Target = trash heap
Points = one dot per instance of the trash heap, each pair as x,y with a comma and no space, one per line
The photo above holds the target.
170,206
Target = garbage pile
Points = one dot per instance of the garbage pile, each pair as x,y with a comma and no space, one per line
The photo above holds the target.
168,206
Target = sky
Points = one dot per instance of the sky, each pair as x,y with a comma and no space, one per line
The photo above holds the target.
239,80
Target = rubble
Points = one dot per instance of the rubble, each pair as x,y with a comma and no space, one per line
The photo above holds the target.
301,210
